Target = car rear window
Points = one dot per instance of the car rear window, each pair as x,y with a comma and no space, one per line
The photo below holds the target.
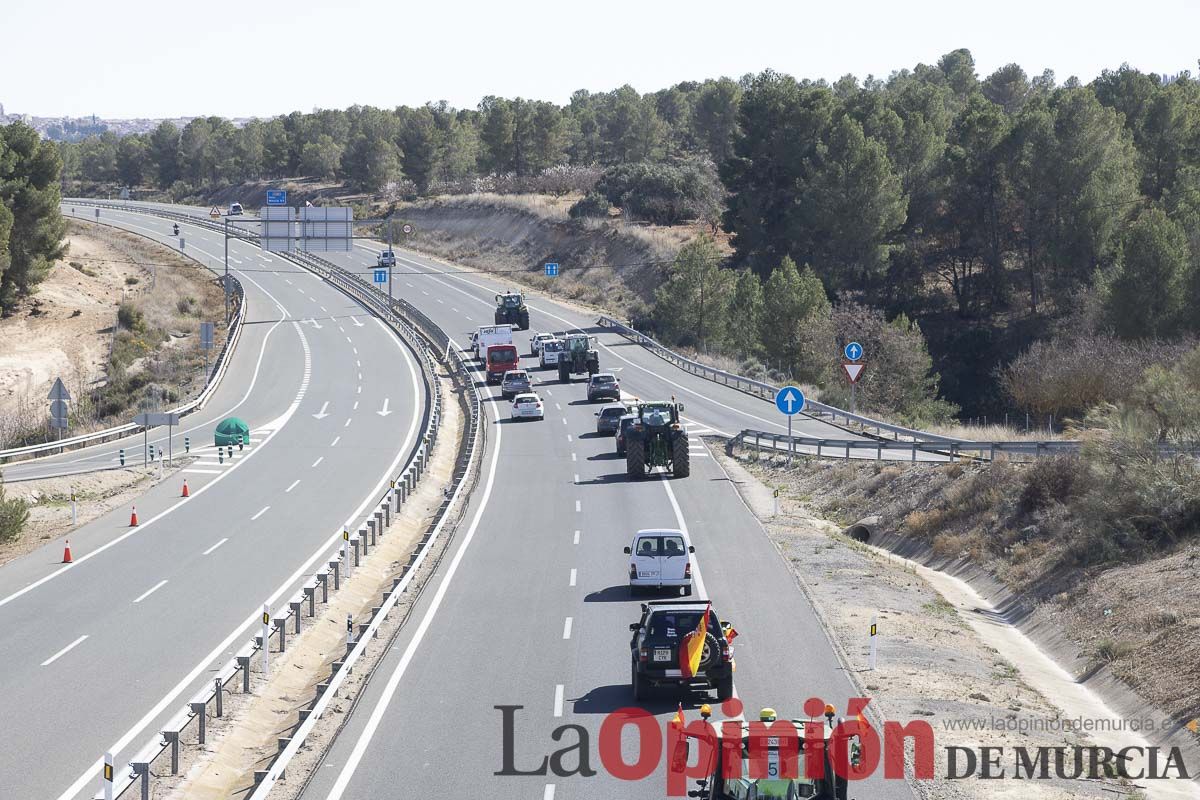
674,625
526,401
517,376
553,346
603,379
612,411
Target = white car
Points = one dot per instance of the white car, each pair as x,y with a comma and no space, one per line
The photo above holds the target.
235,209
660,558
551,350
536,341
527,406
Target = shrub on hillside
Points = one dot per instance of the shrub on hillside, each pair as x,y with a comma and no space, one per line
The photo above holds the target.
665,194
131,318
14,512
594,204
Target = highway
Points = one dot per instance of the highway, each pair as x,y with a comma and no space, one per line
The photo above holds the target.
532,608
100,653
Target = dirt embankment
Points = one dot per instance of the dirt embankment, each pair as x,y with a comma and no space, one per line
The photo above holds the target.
603,263
1127,631
112,366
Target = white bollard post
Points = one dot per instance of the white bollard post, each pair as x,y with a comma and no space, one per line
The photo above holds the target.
74,516
266,641
346,550
874,638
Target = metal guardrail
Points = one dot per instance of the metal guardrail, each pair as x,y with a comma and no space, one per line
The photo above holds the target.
951,449
760,389
216,372
433,346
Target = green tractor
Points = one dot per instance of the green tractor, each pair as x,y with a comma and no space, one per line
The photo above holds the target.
657,439
578,356
511,310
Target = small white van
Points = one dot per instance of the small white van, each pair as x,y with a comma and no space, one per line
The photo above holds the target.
660,558
487,335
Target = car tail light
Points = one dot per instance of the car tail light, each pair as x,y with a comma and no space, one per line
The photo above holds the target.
643,654
728,656
687,570
633,570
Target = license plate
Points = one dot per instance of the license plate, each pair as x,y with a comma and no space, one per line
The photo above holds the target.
662,655
647,573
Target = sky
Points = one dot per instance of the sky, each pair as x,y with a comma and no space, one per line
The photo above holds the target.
137,58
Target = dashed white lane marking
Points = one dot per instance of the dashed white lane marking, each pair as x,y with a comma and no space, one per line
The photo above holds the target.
577,477
425,293
150,591
564,420
348,339
64,651
558,700
260,513
357,363
549,793
576,541
440,300
569,439
326,310
573,458
455,310
573,576
318,461
360,376
472,319
355,406
293,486
566,629
359,390
559,407
215,546
355,349
348,421
340,328
335,441
409,285
289,283
578,506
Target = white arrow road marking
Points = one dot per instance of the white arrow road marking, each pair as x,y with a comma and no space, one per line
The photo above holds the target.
357,324
321,414
385,411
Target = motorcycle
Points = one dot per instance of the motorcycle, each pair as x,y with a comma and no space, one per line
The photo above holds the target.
176,230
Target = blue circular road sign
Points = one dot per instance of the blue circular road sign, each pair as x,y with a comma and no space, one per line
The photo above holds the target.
790,400
853,351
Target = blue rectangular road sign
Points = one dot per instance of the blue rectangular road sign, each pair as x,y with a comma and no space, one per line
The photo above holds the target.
276,197
551,270
379,275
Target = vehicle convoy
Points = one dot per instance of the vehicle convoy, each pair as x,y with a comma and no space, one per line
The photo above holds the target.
487,335
537,340
578,356
551,351
785,770
527,406
667,626
514,382
499,359
603,386
609,417
658,559
511,310
657,439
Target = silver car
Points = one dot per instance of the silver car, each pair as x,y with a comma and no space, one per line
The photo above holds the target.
514,382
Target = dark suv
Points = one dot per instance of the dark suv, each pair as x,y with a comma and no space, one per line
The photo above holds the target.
603,386
654,649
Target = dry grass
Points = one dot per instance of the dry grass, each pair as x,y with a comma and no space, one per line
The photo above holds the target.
541,205
993,433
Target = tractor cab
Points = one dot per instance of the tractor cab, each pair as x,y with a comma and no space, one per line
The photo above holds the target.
771,766
511,310
657,439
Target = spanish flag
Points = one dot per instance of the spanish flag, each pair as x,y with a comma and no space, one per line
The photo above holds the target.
692,647
730,634
678,721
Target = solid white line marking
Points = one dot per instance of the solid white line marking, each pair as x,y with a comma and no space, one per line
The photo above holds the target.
260,513
566,630
578,506
318,461
150,591
63,652
393,683
558,700
573,576
335,441
215,546
576,538
293,486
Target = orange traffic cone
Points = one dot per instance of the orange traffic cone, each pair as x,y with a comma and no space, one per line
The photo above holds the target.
67,553
133,518
186,493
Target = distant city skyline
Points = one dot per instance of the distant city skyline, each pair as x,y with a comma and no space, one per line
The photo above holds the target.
136,59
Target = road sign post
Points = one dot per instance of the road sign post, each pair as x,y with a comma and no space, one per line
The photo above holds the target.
226,281
790,401
392,259
59,397
266,641
206,344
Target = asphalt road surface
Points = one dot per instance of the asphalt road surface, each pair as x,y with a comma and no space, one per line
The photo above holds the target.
99,654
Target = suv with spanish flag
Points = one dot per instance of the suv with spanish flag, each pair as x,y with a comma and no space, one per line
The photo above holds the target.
681,644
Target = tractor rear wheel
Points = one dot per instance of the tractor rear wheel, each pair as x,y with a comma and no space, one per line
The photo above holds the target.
681,463
635,458
564,372
523,321
593,366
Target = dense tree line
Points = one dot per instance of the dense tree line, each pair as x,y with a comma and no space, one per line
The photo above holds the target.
31,227
989,208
